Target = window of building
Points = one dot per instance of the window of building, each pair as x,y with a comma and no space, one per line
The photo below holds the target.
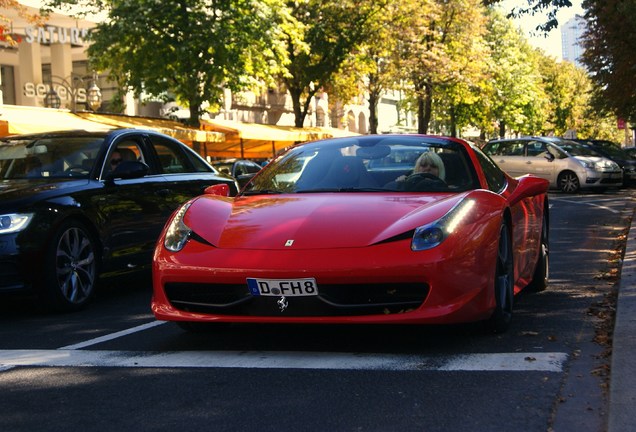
8,84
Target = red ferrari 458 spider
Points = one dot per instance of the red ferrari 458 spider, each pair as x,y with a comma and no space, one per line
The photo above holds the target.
407,229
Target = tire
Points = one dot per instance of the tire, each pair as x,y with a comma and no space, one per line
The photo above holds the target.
541,274
501,318
568,182
70,269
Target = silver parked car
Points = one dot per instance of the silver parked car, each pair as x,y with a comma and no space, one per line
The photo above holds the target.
568,166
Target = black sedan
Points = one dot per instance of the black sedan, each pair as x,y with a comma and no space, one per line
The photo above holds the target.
616,153
78,206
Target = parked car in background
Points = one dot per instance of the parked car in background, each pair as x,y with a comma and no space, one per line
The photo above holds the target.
241,169
631,151
614,152
569,166
78,205
319,237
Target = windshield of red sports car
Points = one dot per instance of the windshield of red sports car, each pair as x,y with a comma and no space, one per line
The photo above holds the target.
48,157
368,164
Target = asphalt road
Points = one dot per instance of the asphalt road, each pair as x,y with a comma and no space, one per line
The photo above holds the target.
113,367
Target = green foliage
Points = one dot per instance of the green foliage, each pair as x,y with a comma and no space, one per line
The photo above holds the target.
517,99
439,51
330,33
191,48
610,44
458,64
532,7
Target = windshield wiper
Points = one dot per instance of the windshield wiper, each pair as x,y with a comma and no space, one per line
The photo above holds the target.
343,189
262,192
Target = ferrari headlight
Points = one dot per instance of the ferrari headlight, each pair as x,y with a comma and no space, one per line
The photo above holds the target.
433,234
178,233
14,222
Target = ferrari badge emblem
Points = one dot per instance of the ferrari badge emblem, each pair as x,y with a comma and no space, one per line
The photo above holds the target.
282,303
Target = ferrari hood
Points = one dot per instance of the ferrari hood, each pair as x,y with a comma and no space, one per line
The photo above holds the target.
312,221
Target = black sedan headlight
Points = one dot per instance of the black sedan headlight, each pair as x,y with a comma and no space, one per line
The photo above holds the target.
14,222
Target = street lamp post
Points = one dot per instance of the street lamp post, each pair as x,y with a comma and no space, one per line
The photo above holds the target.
72,85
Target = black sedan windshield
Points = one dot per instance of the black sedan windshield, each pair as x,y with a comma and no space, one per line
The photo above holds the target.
48,157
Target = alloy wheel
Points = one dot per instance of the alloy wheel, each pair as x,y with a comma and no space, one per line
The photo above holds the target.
75,265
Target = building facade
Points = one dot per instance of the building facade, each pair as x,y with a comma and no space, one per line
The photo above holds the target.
571,34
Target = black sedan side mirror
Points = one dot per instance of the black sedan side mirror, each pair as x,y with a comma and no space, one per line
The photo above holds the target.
128,170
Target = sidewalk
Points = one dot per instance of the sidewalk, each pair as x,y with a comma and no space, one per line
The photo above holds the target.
622,392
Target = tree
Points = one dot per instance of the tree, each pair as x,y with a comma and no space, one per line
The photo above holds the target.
566,87
332,31
190,48
537,6
437,49
515,97
377,59
610,44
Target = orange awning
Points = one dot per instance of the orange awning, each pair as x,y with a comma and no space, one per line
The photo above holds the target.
23,119
260,141
165,126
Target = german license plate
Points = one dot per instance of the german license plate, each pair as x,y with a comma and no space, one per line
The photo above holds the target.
283,287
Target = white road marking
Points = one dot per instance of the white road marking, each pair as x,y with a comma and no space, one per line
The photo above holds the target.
74,356
586,203
524,362
507,361
113,335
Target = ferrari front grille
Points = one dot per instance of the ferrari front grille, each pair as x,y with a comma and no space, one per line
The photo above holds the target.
333,300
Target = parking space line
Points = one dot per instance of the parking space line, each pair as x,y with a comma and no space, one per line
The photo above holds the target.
586,203
499,362
113,336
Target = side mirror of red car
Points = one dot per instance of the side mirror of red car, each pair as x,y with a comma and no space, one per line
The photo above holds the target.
528,186
220,189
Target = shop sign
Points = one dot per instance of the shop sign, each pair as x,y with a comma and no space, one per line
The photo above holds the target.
33,90
620,123
53,34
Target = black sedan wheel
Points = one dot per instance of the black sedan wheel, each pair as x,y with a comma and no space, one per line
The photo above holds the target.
569,182
71,268
504,284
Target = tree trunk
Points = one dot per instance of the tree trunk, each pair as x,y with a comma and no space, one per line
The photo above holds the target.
453,122
422,126
502,129
424,106
373,112
194,120
299,117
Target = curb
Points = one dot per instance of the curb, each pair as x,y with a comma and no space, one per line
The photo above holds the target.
622,392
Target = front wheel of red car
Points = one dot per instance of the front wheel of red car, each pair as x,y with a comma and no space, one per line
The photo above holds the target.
70,269
504,283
